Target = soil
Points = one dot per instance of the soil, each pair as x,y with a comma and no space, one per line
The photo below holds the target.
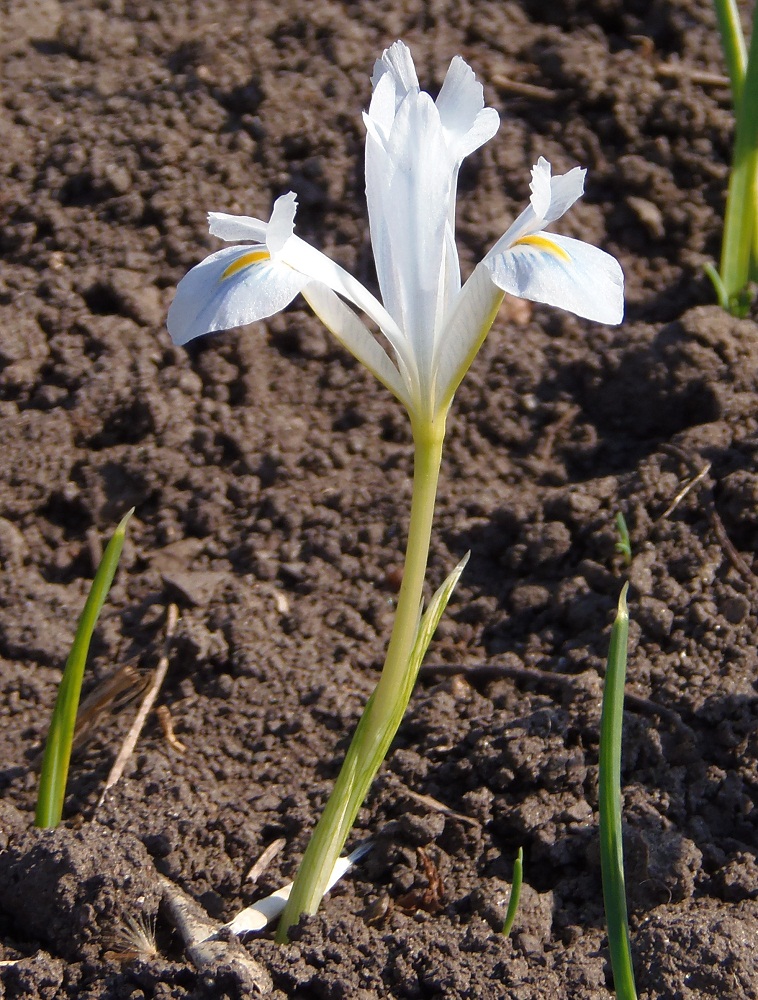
271,480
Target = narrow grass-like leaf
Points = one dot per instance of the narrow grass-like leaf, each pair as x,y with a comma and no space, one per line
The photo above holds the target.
55,762
623,545
431,619
611,845
515,897
739,252
733,44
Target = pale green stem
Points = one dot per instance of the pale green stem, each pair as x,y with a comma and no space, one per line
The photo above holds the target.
386,707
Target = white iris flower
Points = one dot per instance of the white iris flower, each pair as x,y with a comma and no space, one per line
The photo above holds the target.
433,327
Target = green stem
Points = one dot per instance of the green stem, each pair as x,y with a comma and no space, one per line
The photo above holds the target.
741,218
386,707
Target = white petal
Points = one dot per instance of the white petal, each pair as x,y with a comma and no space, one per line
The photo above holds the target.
565,189
408,189
552,197
540,188
468,325
233,228
466,122
309,261
485,125
282,224
526,224
397,61
382,110
206,301
562,272
353,335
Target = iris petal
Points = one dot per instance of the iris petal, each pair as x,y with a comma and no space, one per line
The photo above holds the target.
215,296
564,272
234,228
466,122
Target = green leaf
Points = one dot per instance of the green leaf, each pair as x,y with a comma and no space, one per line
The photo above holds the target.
55,762
739,251
623,545
515,897
609,781
431,619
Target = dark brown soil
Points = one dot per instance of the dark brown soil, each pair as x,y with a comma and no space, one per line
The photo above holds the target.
270,476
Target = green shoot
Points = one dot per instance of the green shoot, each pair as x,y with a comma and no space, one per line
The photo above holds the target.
733,44
609,781
623,545
55,762
376,729
739,251
515,897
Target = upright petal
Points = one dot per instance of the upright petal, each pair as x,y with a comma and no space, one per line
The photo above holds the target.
540,188
274,233
466,123
551,198
398,62
282,223
408,184
234,228
562,190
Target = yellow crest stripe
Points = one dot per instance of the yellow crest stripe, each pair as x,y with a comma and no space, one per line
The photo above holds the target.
246,260
546,244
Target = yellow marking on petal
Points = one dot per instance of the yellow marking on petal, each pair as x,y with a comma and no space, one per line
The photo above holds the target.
246,260
543,243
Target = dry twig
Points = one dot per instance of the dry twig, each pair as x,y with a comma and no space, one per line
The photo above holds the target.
688,486
265,860
522,89
144,710
436,806
726,543
430,898
208,945
678,71
167,725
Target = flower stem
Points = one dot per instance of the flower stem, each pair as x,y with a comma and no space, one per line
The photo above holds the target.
386,706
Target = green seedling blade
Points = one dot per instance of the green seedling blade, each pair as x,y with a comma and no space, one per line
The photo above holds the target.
431,619
611,846
739,252
55,762
515,897
623,545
